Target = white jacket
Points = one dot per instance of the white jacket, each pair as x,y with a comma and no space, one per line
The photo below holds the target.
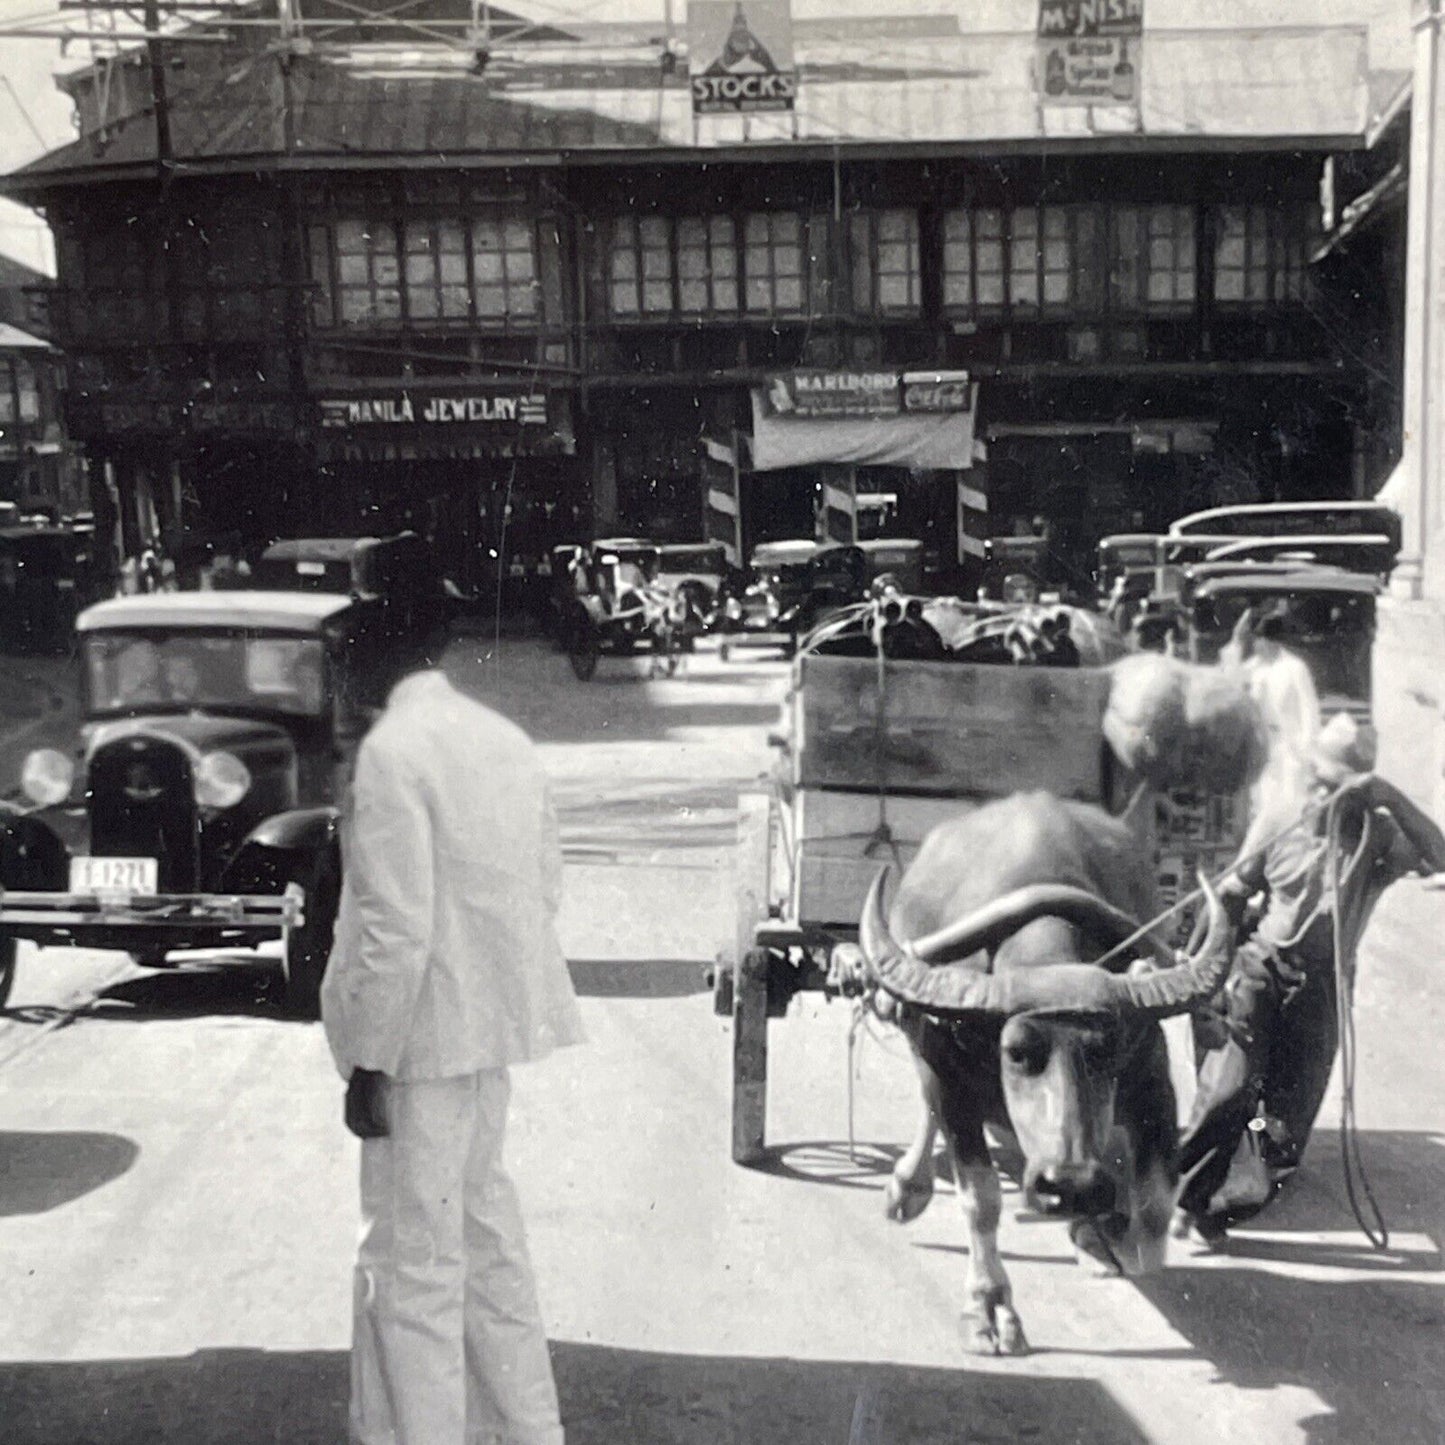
446,960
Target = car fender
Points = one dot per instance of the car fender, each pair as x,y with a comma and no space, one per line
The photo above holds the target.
282,849
32,857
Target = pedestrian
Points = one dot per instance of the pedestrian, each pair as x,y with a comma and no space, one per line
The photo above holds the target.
446,970
1276,1035
1279,680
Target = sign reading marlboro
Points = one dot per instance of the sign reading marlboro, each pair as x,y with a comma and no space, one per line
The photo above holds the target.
405,409
813,394
740,56
1089,51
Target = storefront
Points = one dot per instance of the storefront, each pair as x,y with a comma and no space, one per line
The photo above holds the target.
848,455
487,472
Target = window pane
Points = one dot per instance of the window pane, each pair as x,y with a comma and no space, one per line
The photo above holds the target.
485,235
894,293
524,300
624,299
423,304
653,230
351,238
657,296
454,301
990,224
759,295
1025,288
725,294
1056,289
385,270
453,269
517,236
790,294
692,295
487,267
956,291
353,270
1229,285
419,269
656,265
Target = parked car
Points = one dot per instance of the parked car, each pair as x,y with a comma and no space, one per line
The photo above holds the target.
695,571
47,574
197,806
1328,617
789,587
360,566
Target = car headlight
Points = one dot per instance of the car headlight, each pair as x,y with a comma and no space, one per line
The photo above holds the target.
220,780
46,776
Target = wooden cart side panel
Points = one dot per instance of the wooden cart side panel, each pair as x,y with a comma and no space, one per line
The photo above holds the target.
838,853
955,729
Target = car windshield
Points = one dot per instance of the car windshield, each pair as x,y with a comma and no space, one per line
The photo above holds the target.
129,671
692,559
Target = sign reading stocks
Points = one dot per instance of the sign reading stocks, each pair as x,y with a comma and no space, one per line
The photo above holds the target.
1089,51
740,56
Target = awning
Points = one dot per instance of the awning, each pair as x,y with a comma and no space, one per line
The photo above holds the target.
921,441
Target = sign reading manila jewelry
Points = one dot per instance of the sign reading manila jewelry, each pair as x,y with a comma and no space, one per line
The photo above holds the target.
740,56
814,394
404,409
1089,51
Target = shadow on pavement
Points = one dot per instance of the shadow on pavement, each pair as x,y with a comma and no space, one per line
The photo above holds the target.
209,988
638,977
609,1397
40,1172
1370,1348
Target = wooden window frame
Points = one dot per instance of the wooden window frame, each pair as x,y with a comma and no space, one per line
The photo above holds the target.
326,304
1273,250
865,271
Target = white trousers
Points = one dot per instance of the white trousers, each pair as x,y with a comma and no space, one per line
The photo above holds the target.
448,1347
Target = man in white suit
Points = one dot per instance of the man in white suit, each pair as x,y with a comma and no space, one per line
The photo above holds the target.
445,971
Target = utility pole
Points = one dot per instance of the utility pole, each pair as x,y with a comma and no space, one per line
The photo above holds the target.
159,101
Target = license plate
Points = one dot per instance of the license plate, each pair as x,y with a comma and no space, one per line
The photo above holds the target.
113,875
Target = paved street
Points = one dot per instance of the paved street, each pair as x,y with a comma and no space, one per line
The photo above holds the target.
177,1194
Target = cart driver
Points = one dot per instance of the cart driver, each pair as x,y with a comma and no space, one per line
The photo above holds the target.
1275,1044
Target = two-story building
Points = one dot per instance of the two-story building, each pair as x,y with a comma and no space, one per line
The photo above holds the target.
529,297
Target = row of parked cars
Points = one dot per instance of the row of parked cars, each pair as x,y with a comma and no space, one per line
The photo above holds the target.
621,592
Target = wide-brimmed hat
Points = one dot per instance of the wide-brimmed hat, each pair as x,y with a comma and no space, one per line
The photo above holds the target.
1344,748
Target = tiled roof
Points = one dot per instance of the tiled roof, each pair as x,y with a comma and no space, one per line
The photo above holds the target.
1199,87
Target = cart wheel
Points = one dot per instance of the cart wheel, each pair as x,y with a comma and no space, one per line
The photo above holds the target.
750,1056
583,647
7,969
750,979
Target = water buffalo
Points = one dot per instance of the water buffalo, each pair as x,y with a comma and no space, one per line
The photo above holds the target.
987,950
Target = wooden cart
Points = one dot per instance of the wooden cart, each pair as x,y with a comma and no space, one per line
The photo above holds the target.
874,754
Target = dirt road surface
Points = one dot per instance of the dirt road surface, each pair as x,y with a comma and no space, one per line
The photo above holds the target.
177,1195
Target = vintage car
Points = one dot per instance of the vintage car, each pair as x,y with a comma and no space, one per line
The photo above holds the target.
615,601
788,588
198,805
47,574
694,570
347,566
1328,620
